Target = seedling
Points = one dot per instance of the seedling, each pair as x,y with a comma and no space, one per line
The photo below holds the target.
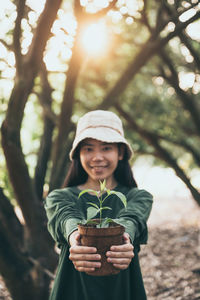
94,208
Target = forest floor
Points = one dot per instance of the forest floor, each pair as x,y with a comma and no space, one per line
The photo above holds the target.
170,262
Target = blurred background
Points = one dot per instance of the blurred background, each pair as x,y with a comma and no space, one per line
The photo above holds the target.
61,59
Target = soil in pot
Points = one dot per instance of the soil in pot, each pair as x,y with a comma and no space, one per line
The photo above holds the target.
102,239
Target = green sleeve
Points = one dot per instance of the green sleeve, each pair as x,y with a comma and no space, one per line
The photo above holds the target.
62,214
135,215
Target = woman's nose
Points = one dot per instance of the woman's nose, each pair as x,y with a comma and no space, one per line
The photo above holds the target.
97,155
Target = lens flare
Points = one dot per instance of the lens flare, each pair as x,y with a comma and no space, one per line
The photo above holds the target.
94,39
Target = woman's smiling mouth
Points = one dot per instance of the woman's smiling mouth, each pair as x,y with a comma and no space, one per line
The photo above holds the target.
98,168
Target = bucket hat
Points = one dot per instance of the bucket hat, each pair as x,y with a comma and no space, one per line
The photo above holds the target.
100,125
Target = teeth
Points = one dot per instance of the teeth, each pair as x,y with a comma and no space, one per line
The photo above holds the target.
98,168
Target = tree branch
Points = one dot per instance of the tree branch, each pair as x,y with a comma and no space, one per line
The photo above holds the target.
47,111
83,17
161,152
64,122
42,33
183,36
161,22
46,139
193,52
17,34
149,49
13,228
8,46
26,196
184,145
187,100
11,261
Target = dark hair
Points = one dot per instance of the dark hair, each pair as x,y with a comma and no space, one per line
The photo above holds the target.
76,174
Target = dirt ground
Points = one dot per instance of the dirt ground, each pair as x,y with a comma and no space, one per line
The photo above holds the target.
170,262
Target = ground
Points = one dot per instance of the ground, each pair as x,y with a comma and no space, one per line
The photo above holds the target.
170,262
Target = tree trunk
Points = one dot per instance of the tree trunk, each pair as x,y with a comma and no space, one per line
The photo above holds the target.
24,279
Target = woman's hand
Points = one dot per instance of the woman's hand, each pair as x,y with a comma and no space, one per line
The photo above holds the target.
85,259
121,256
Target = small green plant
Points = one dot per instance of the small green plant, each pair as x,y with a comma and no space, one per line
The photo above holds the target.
94,209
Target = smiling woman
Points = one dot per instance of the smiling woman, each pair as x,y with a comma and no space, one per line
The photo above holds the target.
99,160
94,38
99,152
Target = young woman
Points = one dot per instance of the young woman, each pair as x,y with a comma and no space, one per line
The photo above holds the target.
99,152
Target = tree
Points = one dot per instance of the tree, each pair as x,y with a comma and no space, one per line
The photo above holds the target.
28,263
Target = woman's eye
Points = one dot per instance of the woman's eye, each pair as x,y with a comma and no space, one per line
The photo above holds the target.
107,148
88,149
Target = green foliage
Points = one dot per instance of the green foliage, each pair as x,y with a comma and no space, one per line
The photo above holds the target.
94,209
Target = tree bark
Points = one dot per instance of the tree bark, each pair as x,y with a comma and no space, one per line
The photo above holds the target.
15,269
64,122
46,138
11,223
23,278
38,243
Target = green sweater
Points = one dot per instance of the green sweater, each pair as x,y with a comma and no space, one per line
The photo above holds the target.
64,210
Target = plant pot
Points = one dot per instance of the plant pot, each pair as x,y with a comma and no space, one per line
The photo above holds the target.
102,239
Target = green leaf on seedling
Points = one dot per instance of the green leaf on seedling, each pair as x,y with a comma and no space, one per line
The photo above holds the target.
94,209
93,204
88,191
106,221
92,212
102,185
121,196
109,220
83,222
106,207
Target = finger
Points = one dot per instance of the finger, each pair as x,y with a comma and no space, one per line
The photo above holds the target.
121,267
122,248
128,254
86,264
74,238
86,257
82,249
78,238
126,238
121,261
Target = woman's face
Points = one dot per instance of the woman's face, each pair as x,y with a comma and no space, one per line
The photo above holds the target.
99,159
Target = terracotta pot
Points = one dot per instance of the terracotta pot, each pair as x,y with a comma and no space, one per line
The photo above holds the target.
102,239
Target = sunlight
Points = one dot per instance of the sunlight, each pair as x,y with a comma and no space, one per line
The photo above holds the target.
193,30
94,39
95,5
37,6
186,80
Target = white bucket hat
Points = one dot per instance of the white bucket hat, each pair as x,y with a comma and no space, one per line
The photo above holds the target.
100,125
